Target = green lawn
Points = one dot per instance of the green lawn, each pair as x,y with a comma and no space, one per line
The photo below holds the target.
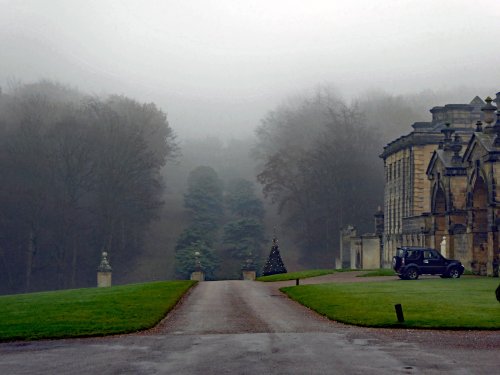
296,275
378,272
465,303
88,312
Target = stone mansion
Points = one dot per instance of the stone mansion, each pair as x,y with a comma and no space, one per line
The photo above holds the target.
441,186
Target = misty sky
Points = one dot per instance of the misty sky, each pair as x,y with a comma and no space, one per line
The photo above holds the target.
216,67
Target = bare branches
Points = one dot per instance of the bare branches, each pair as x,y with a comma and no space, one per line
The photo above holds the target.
317,161
78,174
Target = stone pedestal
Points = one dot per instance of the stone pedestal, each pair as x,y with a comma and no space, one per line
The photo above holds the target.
198,275
103,279
104,272
248,275
338,263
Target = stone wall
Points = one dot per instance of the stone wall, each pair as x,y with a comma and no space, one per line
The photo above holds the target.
371,252
462,249
365,252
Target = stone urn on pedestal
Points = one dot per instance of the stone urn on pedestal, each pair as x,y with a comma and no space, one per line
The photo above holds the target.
248,270
104,272
198,273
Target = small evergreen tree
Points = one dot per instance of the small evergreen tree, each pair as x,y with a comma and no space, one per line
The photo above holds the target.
274,264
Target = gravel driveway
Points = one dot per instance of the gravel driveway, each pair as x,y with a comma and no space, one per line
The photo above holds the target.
243,327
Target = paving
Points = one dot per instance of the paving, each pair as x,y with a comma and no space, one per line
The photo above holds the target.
244,327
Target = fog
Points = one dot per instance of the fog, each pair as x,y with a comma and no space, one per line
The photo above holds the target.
216,67
280,108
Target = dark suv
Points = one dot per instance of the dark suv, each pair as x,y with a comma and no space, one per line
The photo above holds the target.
410,262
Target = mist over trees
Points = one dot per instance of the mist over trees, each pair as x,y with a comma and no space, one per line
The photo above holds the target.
244,232
392,115
83,174
226,225
80,175
204,200
320,167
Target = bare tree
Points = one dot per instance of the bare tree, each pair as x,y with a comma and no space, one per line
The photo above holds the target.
318,167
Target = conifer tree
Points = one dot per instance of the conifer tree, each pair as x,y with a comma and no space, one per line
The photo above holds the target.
274,264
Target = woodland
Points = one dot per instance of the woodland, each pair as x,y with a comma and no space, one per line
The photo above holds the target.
82,174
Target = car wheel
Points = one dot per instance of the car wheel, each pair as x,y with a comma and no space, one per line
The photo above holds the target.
411,274
454,273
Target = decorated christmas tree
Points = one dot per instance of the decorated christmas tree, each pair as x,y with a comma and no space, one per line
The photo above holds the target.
274,264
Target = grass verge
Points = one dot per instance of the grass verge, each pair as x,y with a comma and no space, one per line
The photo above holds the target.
466,303
88,312
296,275
378,272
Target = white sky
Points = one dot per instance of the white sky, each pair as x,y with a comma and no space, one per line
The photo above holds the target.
216,67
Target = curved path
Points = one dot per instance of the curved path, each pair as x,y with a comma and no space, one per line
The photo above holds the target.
242,327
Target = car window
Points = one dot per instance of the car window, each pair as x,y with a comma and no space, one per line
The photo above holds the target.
429,254
412,254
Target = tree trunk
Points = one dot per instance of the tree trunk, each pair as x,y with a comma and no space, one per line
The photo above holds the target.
6,271
74,257
30,258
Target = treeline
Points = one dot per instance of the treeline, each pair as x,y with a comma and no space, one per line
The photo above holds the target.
80,175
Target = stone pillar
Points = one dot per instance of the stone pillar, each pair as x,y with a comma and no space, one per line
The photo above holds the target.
379,222
248,270
338,263
248,275
491,254
346,247
104,272
198,273
451,245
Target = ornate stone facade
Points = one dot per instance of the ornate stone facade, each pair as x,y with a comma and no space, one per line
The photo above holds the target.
465,204
440,186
